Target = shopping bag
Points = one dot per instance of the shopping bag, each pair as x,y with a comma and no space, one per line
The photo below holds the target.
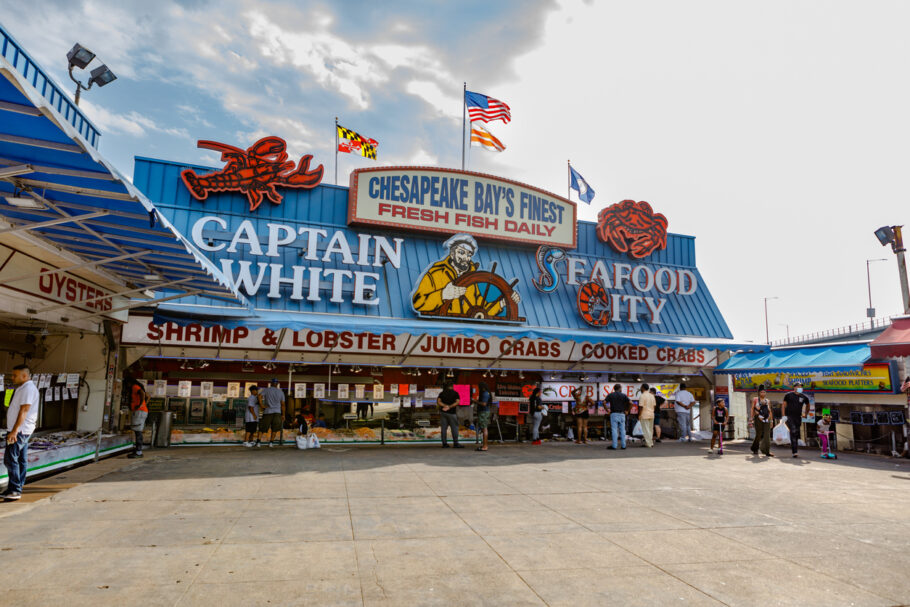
313,441
781,434
302,442
636,431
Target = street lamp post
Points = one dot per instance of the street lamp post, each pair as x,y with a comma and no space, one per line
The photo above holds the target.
892,235
870,311
79,57
767,336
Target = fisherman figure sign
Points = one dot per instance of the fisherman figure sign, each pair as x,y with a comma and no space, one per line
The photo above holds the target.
456,287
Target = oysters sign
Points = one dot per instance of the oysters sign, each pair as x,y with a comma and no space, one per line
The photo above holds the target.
445,200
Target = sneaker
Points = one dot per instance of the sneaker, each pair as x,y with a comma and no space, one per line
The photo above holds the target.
134,455
720,451
657,440
445,446
247,444
459,446
710,450
270,444
795,455
681,439
12,497
611,448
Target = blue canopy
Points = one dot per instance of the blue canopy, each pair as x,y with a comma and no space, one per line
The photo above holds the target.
847,357
57,189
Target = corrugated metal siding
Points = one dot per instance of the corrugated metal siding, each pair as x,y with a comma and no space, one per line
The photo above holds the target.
326,207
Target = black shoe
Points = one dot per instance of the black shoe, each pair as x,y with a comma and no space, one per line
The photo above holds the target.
623,447
445,446
657,440
459,446
754,451
134,455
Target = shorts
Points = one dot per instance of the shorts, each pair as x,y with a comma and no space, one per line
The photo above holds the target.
583,415
251,427
138,422
716,427
270,421
483,419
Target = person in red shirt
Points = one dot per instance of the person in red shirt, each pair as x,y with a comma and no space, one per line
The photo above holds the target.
139,406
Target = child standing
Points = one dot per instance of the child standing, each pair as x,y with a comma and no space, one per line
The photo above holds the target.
824,430
719,417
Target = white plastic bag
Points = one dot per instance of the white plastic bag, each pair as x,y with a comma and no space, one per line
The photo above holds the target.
313,441
636,431
781,435
302,441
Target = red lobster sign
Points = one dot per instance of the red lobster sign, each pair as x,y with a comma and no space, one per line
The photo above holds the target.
632,227
254,171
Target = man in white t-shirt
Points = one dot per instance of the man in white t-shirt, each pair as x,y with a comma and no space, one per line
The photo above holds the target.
21,418
683,408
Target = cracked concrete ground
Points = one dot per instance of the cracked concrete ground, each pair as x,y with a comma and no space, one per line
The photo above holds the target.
560,524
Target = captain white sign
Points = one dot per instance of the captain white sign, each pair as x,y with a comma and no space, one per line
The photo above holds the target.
444,200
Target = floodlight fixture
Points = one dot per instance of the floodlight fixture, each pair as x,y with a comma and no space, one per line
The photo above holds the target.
79,56
885,235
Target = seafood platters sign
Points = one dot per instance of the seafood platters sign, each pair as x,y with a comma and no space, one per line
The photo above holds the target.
440,200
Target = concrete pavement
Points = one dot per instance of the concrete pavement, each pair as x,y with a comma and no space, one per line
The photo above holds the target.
559,524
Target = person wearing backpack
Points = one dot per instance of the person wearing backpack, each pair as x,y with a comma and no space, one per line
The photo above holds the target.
139,406
762,418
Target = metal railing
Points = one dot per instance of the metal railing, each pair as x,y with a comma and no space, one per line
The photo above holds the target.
66,109
857,329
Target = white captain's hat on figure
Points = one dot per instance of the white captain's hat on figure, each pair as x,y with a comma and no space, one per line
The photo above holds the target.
463,240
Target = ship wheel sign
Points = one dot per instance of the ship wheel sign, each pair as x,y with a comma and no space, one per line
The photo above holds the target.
456,287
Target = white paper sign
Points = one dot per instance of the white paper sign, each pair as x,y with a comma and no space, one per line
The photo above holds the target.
319,390
61,378
394,390
160,387
72,381
418,401
233,389
206,388
432,393
300,390
343,391
378,391
359,390
184,388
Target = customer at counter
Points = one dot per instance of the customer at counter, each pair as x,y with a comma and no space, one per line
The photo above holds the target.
646,405
446,402
659,400
484,405
580,410
618,404
683,408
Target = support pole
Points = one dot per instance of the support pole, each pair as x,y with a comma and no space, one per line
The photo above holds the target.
569,179
464,107
901,266
336,150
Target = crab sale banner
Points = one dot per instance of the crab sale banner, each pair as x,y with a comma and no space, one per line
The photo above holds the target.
440,200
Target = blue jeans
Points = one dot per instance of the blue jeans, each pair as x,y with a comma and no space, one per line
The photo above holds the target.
14,458
685,424
618,427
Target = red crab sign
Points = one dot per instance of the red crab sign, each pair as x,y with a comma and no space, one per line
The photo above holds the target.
254,172
632,227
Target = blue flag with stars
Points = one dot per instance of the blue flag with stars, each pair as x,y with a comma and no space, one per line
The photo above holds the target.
578,183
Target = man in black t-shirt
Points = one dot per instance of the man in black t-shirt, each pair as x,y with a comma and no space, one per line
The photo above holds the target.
447,402
619,404
796,405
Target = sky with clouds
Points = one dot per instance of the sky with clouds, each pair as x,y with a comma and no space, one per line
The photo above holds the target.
774,132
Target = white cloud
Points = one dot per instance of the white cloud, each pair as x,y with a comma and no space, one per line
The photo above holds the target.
132,123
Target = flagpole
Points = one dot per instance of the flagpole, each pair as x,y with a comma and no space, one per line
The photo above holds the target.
336,150
569,177
464,94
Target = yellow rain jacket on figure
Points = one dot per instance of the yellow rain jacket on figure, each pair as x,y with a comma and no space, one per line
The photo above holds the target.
428,296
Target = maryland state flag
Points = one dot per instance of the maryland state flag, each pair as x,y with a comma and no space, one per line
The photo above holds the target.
356,143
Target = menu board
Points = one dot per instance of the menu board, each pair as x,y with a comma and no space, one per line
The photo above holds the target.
160,387
359,390
319,390
206,388
184,388
233,389
343,391
197,410
378,391
300,390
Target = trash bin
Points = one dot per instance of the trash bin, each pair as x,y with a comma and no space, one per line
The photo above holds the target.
729,429
161,429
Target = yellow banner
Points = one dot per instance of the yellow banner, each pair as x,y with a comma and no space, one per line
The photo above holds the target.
872,378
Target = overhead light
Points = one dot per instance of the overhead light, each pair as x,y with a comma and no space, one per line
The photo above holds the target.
152,277
204,364
375,370
79,56
638,378
450,374
885,235
418,373
101,76
24,202
183,364
503,373
336,370
434,371
247,365
521,375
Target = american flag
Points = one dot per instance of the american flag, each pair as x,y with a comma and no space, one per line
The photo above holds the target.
484,109
484,138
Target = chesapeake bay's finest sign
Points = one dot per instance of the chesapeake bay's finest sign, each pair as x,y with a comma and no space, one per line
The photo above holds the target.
445,200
